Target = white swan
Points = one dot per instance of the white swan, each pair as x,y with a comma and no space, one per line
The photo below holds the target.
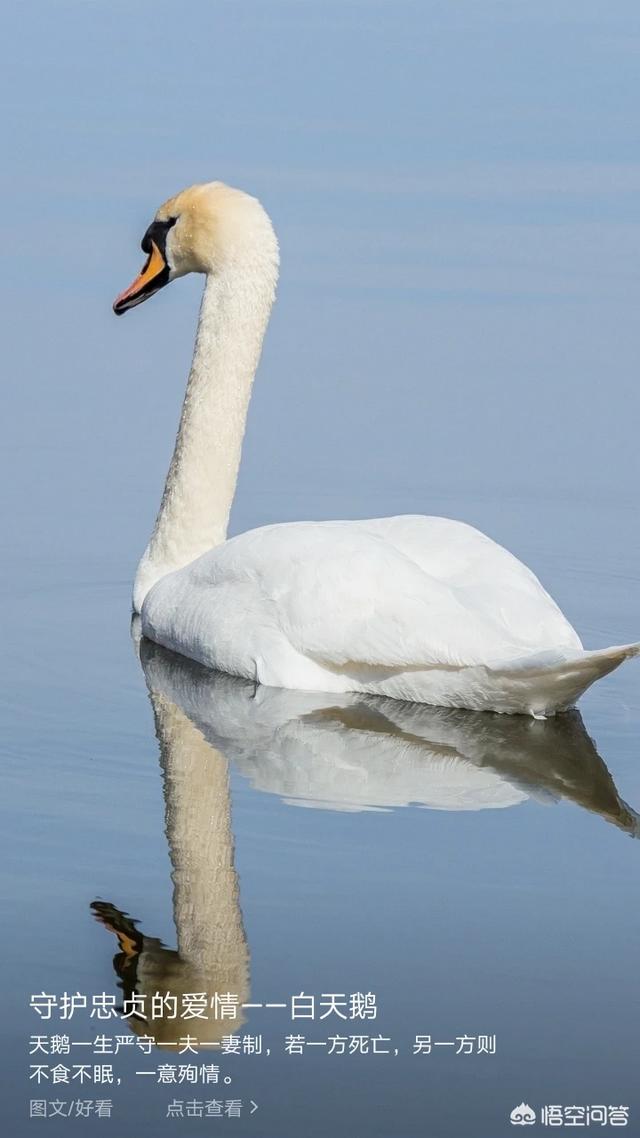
417,608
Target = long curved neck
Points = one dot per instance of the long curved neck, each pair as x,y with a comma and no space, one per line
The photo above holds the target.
200,485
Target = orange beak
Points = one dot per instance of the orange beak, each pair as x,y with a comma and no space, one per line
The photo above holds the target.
153,277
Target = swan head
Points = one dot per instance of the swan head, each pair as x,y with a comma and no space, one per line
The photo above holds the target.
203,229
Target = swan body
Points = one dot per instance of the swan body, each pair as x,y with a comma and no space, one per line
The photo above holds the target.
416,608
308,605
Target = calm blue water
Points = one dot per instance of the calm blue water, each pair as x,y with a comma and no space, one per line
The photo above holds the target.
476,874
456,192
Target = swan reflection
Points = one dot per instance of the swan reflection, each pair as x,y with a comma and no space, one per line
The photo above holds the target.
358,752
340,752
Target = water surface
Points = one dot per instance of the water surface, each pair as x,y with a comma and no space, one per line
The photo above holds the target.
476,873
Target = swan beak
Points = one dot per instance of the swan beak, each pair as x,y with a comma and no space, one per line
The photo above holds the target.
153,277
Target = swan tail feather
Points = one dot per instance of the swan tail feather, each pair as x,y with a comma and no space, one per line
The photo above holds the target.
548,685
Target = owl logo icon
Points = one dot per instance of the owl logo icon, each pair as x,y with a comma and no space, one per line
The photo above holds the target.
522,1115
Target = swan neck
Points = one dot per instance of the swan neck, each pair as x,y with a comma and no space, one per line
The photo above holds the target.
201,482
